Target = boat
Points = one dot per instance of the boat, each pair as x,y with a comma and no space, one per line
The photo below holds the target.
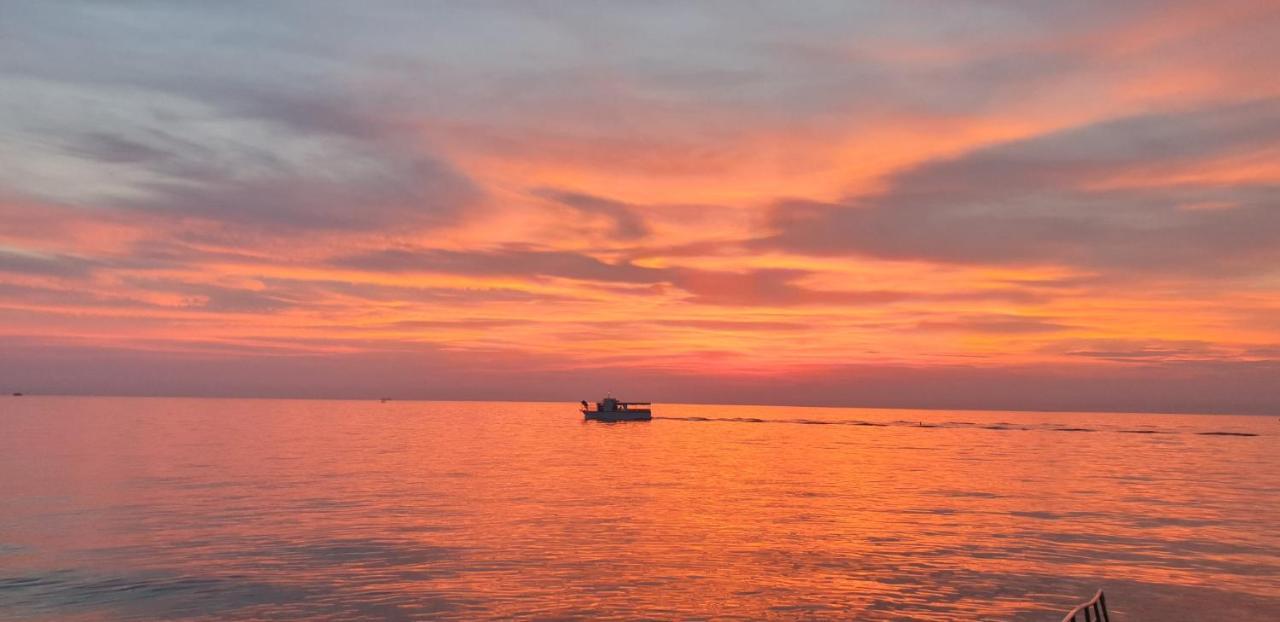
611,409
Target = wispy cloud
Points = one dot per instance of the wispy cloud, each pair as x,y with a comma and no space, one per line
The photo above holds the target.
1106,195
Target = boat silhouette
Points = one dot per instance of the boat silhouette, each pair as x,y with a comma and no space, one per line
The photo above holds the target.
612,409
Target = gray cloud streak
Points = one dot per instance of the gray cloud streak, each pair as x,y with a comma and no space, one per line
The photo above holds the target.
1037,201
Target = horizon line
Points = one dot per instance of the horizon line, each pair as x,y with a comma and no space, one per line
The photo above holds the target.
676,403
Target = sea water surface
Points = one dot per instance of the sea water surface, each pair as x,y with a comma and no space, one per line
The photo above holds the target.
219,509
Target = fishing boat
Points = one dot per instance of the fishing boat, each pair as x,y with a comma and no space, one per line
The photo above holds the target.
610,409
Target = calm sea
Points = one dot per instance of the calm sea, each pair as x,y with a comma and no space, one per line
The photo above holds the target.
176,509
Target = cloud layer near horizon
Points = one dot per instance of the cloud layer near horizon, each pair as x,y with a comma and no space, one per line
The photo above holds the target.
938,198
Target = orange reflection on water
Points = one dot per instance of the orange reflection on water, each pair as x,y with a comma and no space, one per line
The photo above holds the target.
247,509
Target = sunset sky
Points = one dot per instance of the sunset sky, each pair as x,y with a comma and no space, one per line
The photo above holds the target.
1049,205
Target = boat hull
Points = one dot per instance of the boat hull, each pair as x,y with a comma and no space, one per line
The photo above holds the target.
633,415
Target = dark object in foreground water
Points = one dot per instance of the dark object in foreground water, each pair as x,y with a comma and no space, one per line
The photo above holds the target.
17,394
610,409
1095,610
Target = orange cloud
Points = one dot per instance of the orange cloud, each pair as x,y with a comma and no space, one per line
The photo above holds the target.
1057,194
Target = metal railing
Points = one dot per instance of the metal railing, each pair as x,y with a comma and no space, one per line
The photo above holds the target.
1094,611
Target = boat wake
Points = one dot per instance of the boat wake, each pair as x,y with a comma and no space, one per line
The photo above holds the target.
999,426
